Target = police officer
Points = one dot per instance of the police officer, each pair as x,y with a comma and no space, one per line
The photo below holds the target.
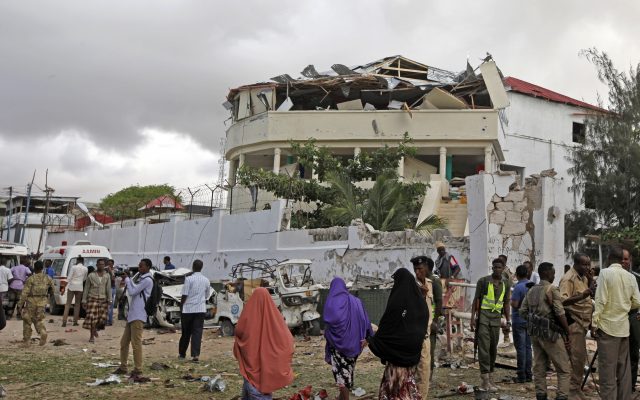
32,301
491,302
548,328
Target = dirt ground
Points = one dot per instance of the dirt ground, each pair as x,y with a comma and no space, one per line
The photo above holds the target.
62,372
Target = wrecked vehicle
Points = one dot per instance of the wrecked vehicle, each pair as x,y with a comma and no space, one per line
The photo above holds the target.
168,314
291,287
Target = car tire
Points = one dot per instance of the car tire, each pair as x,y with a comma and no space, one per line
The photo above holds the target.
54,309
227,328
313,328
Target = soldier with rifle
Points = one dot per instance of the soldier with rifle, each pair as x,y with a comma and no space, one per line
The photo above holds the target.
548,328
491,302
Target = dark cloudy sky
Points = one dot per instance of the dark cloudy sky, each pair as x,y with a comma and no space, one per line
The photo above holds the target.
108,94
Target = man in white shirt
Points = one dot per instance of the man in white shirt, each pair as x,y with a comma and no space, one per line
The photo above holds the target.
75,287
195,292
5,278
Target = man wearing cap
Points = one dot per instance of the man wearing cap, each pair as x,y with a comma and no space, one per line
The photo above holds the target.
425,284
446,265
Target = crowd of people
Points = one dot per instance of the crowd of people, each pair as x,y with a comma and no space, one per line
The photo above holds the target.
550,323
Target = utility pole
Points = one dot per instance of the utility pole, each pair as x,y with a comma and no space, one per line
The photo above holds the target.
191,204
48,191
10,213
26,214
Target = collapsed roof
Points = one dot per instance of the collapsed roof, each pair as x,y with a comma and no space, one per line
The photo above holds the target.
392,83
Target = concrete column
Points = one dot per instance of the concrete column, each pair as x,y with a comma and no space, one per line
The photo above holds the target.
276,160
233,169
401,169
241,160
488,161
443,163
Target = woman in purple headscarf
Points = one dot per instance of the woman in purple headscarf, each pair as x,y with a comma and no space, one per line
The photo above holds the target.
347,327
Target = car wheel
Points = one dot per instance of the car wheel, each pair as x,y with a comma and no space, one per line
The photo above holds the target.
227,328
314,328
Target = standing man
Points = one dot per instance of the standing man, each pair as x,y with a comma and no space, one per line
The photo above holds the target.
167,263
491,302
634,326
195,292
616,295
96,299
112,276
20,274
532,275
75,288
426,287
138,291
48,267
436,309
576,299
5,279
32,301
542,307
446,265
521,339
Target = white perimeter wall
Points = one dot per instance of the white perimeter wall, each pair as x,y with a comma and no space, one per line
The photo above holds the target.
224,240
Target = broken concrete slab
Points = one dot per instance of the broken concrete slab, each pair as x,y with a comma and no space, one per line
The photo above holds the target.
442,99
494,84
350,105
515,196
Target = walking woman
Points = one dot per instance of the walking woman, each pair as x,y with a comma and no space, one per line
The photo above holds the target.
96,299
347,326
263,347
398,341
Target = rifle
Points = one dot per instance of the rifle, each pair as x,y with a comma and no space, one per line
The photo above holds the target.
475,339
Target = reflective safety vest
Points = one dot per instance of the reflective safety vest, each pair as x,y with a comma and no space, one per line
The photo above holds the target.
489,300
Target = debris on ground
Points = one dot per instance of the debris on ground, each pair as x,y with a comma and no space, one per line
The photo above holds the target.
59,342
166,330
105,365
69,330
192,378
148,341
111,379
156,366
169,384
359,392
3,391
215,385
304,394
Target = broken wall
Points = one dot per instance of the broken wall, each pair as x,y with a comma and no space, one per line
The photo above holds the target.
525,224
224,240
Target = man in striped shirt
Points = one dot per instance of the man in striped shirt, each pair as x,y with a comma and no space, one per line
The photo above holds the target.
195,292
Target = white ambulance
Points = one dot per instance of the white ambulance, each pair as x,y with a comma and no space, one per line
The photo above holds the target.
10,253
63,258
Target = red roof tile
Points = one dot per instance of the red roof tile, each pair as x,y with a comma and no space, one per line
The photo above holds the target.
529,89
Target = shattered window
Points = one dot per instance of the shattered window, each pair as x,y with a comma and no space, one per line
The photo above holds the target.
578,133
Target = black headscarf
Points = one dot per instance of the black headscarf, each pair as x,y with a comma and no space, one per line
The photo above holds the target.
404,323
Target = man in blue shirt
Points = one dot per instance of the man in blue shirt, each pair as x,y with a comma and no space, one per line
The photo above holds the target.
138,293
167,263
49,268
521,339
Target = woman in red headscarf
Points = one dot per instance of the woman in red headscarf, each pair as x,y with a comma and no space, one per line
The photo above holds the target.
263,347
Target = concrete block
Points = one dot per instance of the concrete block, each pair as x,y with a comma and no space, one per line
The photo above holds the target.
496,198
525,216
519,206
513,216
497,217
515,196
513,228
504,206
491,206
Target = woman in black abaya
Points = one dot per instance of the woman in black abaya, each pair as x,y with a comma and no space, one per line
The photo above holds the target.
398,341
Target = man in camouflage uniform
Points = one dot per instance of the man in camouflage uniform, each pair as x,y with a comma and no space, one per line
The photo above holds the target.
547,326
32,301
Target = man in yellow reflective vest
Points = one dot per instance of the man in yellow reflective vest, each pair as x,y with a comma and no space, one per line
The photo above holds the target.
491,302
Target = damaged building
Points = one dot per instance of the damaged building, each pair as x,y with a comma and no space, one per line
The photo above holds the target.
461,123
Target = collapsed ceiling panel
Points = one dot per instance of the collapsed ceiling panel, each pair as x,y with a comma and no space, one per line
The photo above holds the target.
381,85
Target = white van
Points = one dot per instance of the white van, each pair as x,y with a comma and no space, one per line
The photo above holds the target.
63,258
10,253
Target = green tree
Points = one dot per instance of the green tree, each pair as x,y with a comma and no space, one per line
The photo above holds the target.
126,202
606,168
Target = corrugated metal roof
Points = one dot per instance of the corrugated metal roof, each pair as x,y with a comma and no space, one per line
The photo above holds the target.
529,89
